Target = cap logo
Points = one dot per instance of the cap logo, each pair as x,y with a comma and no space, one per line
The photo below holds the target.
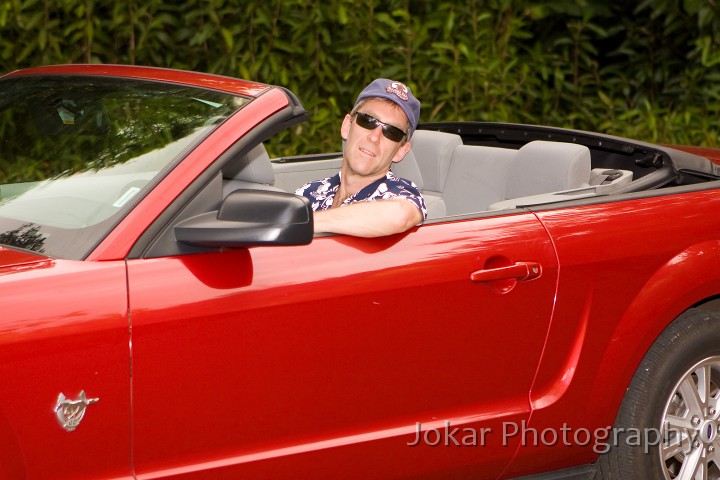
400,90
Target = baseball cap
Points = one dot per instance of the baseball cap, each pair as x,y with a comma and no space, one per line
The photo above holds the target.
397,93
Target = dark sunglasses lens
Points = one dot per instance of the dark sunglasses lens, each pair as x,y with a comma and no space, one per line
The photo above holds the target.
366,121
393,133
369,122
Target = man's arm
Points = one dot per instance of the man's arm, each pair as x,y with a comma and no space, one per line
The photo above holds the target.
369,219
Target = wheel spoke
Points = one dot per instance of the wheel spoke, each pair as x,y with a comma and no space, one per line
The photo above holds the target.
704,376
675,423
691,396
679,444
713,455
713,405
692,467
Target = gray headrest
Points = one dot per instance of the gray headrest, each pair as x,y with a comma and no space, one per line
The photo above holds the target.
254,167
433,151
542,167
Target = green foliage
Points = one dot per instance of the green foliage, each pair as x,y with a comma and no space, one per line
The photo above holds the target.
647,69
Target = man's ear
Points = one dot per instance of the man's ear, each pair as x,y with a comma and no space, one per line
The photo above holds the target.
345,127
402,151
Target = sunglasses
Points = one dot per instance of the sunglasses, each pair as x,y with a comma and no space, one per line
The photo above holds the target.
394,134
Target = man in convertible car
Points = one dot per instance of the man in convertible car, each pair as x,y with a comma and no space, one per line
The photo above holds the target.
375,202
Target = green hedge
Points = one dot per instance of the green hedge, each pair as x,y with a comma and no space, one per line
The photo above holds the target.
646,70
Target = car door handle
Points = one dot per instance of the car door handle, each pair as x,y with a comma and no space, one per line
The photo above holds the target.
518,271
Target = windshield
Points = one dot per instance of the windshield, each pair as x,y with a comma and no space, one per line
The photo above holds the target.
76,153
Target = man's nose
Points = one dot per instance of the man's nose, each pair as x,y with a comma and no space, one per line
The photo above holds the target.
376,134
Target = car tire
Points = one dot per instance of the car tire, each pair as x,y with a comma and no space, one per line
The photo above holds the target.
667,426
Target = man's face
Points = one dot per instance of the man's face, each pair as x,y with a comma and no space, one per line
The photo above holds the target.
369,153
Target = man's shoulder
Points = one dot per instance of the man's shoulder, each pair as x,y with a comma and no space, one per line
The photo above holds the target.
403,183
321,184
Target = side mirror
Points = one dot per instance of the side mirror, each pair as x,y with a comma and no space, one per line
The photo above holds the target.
250,218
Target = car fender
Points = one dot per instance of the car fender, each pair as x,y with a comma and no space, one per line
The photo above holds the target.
679,284
583,386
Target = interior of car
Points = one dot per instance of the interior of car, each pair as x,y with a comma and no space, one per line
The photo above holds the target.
461,173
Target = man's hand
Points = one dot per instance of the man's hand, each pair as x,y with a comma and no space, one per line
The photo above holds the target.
369,219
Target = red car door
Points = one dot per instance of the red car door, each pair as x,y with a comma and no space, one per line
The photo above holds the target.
345,358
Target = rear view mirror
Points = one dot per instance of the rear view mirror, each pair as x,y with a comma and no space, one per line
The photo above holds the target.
65,115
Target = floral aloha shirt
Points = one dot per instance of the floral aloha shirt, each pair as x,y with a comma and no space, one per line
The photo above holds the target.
322,192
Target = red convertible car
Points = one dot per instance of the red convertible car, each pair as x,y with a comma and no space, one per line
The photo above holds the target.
167,312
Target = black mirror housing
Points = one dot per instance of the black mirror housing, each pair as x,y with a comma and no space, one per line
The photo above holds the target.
251,218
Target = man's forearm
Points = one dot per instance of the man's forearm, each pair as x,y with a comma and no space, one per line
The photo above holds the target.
369,219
